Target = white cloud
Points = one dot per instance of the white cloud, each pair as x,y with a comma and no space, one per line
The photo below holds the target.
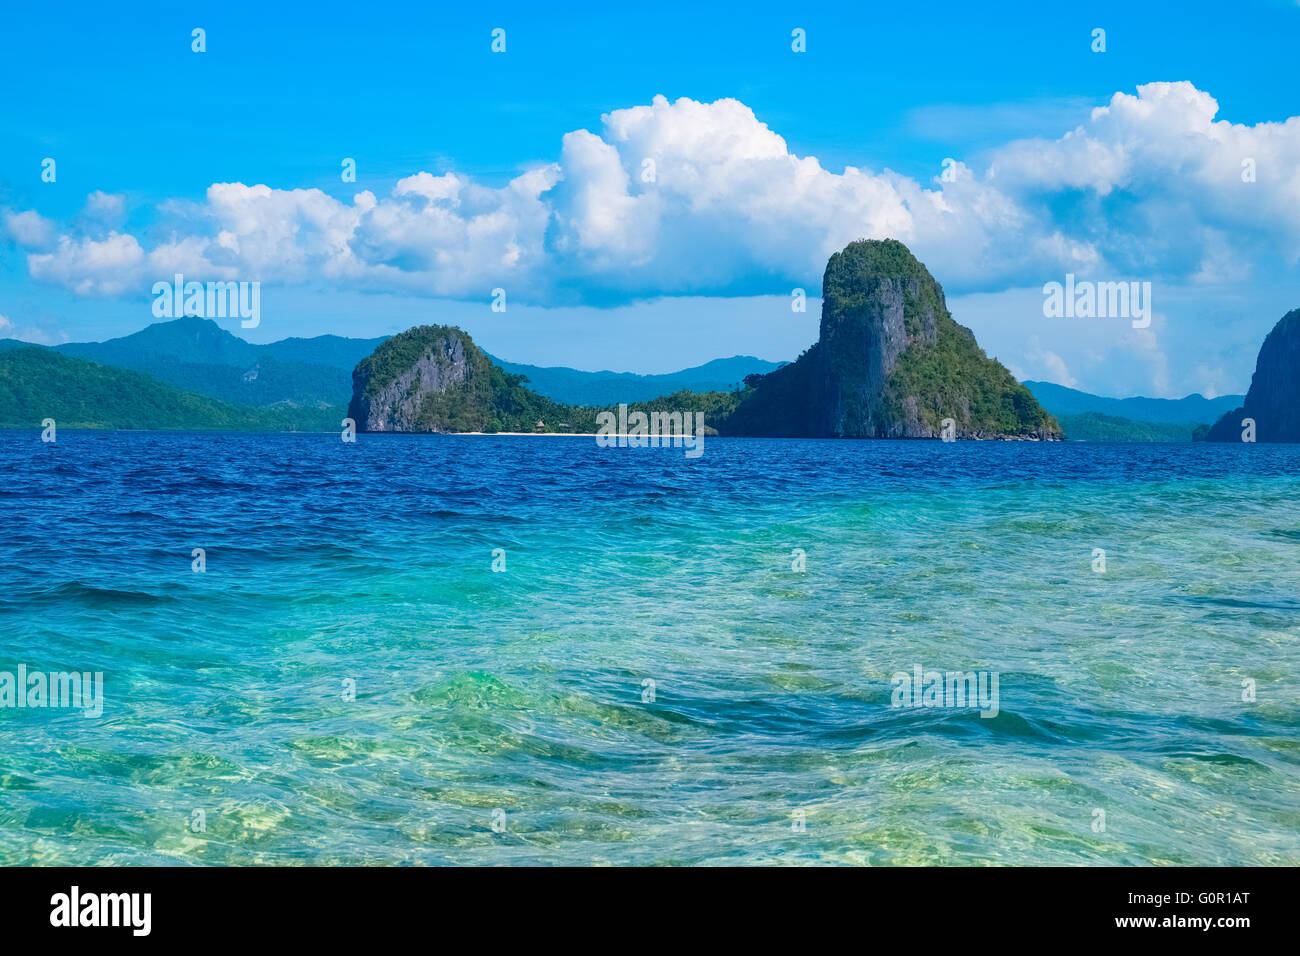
29,229
1162,182
91,267
27,333
1149,187
102,207
1053,366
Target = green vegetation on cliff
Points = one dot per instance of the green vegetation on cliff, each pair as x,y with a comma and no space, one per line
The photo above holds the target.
955,374
890,362
433,378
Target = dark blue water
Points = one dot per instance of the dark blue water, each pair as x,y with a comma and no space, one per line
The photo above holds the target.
647,677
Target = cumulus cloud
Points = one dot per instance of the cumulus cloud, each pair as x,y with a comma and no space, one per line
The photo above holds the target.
110,266
691,198
28,229
1161,183
102,207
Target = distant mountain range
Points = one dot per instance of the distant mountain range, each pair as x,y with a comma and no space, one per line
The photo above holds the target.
306,383
201,357
38,383
1195,409
573,387
1088,417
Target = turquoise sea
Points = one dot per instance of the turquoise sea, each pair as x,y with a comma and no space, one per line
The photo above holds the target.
506,717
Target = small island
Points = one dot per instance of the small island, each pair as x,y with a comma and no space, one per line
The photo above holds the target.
890,362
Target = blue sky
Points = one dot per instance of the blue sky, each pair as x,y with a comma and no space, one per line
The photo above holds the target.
604,273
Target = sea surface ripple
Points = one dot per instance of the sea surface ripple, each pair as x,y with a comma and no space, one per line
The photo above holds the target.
508,717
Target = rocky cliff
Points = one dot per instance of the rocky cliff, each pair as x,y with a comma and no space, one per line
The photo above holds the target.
889,362
1274,397
433,378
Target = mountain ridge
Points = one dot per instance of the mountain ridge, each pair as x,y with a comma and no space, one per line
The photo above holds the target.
270,373
1195,408
199,356
38,383
577,387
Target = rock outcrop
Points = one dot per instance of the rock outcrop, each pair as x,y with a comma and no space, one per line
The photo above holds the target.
433,378
1273,402
388,393
890,362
